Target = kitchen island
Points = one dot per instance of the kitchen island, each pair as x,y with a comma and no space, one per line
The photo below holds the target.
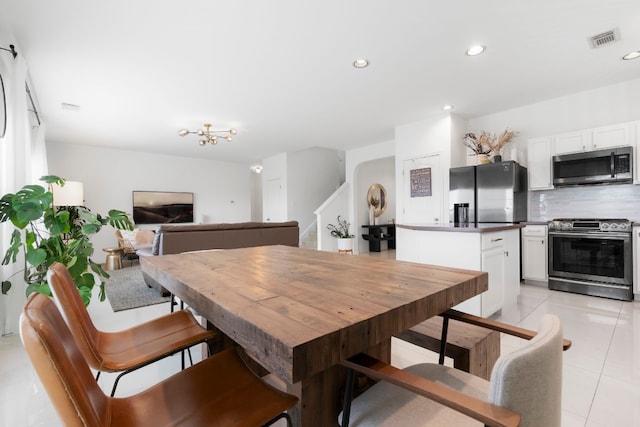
494,248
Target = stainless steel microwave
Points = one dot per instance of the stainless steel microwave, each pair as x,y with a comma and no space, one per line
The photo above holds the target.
610,166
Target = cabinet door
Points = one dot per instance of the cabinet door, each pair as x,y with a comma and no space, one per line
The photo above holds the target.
612,136
534,251
539,164
511,267
572,142
493,262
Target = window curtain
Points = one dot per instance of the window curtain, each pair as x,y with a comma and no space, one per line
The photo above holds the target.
22,161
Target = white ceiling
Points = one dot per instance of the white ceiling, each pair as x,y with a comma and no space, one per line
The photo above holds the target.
280,71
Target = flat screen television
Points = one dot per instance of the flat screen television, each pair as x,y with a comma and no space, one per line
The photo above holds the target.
159,207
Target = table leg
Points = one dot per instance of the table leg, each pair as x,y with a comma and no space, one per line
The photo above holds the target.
320,396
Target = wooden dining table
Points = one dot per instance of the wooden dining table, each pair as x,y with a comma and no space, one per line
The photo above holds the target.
299,312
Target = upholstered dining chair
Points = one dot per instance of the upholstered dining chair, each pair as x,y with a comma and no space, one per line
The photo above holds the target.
524,390
127,350
219,391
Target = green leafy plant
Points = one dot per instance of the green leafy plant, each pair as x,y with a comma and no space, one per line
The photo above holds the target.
341,231
47,234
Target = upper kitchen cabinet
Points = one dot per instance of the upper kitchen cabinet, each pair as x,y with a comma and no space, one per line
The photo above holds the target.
618,135
572,142
539,152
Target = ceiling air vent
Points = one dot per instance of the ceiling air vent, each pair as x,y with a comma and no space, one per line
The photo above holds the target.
605,38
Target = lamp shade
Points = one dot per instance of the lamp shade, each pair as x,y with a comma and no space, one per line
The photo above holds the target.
71,194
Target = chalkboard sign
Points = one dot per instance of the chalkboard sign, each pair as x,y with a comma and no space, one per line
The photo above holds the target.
420,182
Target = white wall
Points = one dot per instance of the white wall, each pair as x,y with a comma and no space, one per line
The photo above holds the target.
312,175
438,134
221,189
365,157
599,107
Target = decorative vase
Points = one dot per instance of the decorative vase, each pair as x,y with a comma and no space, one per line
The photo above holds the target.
497,158
482,159
372,215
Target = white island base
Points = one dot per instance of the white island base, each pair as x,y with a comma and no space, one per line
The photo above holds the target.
494,248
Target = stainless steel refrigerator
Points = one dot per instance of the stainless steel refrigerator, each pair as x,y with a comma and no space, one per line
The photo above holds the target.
495,192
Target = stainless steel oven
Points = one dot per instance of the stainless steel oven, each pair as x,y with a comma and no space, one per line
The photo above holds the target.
592,257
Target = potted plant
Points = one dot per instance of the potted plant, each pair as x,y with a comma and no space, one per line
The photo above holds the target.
45,234
342,233
486,143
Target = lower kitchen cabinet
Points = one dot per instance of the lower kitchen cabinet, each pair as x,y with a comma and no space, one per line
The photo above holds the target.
534,253
497,253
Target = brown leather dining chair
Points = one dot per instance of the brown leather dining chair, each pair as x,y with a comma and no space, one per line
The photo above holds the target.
127,350
219,391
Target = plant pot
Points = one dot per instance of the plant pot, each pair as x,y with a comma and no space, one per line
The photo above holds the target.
345,245
482,159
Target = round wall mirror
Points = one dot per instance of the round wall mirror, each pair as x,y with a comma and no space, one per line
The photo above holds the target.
377,197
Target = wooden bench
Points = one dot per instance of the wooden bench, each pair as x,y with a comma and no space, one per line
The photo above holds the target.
473,349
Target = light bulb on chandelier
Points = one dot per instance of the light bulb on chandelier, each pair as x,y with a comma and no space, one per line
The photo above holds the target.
209,135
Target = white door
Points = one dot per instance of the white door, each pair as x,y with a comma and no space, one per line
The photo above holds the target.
274,201
423,191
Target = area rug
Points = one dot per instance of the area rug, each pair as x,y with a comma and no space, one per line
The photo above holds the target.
126,289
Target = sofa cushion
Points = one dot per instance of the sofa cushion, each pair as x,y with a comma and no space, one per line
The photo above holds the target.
155,245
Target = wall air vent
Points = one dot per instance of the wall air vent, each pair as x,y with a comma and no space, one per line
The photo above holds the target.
605,38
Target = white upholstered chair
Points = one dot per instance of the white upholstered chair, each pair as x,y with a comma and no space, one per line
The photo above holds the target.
525,389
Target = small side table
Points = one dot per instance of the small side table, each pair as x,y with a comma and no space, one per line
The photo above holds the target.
375,235
113,261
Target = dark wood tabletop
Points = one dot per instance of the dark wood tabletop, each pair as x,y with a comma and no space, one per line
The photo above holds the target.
299,312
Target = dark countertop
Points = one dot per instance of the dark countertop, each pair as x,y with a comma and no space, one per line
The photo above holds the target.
466,228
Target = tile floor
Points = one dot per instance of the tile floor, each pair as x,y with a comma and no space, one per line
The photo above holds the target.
601,371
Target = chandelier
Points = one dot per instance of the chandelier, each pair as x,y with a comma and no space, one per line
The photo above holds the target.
209,135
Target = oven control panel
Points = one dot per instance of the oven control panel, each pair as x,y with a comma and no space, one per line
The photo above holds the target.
603,225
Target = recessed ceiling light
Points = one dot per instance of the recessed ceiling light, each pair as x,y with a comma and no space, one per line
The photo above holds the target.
475,50
632,55
447,107
361,63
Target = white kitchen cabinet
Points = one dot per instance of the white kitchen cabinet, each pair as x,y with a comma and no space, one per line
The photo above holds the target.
618,135
539,153
493,262
534,253
572,142
497,253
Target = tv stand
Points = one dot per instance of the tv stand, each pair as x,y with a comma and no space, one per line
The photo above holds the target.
379,233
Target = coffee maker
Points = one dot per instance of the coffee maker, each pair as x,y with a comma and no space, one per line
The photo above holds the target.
461,213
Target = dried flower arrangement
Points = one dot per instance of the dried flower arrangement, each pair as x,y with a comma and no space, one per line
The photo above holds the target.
487,143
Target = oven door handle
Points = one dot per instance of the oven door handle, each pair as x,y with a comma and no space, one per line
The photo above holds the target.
604,235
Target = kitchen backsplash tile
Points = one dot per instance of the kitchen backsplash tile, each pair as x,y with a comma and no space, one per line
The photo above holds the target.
597,201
